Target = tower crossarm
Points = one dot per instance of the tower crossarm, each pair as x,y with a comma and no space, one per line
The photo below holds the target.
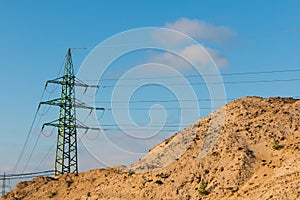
53,102
78,104
56,123
77,82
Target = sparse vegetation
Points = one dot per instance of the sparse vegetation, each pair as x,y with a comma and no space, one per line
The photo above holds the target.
52,194
277,146
69,182
130,172
203,190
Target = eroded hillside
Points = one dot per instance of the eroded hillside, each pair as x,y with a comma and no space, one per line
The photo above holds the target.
254,154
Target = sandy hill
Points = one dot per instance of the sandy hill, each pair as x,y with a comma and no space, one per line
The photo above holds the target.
254,154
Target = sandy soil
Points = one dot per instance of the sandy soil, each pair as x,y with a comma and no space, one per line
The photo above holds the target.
254,154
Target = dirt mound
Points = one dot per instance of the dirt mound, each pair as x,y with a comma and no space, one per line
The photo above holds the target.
250,152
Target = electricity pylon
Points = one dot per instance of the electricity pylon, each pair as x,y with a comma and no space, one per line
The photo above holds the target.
66,157
3,185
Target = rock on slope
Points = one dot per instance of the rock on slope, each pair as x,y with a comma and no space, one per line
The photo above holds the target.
256,156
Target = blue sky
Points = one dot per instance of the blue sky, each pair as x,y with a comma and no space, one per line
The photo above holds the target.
35,35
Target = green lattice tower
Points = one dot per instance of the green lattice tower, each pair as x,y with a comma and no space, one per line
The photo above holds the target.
66,147
66,160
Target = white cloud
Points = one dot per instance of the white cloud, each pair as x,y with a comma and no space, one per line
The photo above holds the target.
202,56
198,56
171,60
201,30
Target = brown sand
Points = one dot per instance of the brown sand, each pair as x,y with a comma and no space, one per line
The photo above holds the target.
256,157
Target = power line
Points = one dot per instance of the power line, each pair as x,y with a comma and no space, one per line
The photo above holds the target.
147,128
130,125
34,120
27,177
36,141
172,100
27,174
278,32
23,176
167,101
28,135
31,153
168,108
206,75
120,129
43,162
132,129
209,83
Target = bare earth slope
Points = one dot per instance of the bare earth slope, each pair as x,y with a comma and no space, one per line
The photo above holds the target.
256,157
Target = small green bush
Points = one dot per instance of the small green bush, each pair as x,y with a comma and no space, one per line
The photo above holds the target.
130,172
52,194
277,146
69,182
203,190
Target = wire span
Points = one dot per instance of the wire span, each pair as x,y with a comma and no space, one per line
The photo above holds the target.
204,83
206,75
27,174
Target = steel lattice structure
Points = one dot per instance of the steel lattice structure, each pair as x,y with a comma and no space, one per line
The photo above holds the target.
66,158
